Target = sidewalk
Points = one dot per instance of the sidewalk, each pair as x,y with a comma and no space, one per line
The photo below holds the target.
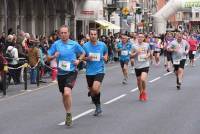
19,89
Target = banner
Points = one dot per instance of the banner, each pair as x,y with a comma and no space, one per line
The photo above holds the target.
90,10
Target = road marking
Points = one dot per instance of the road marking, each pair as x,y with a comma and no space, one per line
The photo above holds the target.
115,99
167,73
133,90
154,79
113,67
27,91
78,116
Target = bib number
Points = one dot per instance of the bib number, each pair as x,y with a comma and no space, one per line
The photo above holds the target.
176,62
95,56
124,52
142,57
157,49
194,52
64,65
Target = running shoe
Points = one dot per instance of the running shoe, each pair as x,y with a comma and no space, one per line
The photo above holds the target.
124,81
145,98
141,96
98,110
178,87
68,121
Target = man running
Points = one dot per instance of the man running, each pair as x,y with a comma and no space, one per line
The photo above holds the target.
96,55
193,49
65,52
124,48
141,52
179,48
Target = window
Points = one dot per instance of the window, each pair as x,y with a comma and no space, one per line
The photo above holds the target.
197,15
190,14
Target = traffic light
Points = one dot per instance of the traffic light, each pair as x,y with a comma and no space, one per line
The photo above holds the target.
125,11
138,11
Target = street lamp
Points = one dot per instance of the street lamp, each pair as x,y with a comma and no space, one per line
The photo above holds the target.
137,11
149,21
6,16
121,5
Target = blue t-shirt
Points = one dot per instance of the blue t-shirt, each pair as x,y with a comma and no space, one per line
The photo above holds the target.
67,55
125,51
97,64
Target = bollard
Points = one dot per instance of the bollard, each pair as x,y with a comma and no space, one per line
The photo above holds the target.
4,81
25,78
38,76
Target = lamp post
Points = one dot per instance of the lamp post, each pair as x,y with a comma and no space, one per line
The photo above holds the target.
121,5
6,16
149,21
136,12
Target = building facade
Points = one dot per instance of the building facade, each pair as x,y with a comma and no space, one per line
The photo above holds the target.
38,17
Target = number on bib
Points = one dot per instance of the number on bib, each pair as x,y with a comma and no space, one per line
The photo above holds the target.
142,57
64,65
176,62
124,52
95,56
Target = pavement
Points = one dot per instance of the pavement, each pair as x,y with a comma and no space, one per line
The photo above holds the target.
168,111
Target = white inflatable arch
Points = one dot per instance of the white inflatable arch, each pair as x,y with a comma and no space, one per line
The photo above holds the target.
160,18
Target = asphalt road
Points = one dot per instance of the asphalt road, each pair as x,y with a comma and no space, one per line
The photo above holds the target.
168,111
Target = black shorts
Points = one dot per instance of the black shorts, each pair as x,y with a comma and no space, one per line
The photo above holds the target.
181,65
139,71
122,63
169,56
191,55
155,52
91,78
165,52
67,80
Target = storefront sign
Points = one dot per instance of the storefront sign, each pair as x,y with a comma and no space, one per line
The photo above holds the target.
191,3
90,10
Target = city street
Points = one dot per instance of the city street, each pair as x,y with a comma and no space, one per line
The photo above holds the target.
168,110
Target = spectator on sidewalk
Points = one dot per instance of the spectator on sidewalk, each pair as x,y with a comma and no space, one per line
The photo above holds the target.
33,60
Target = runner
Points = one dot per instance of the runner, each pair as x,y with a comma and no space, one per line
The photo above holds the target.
193,49
141,52
157,50
124,48
96,55
65,52
167,54
133,41
179,48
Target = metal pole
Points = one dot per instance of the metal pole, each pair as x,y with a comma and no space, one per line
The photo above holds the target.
25,78
6,16
135,22
4,80
38,76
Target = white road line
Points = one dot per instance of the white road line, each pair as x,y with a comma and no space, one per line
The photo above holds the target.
115,99
154,79
133,90
167,73
78,116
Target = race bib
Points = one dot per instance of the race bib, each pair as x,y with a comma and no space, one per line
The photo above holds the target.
194,52
124,52
95,56
157,49
142,57
176,62
64,65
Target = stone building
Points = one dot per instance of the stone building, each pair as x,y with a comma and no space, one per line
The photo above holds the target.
39,17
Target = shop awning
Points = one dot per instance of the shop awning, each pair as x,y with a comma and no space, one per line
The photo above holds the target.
107,25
